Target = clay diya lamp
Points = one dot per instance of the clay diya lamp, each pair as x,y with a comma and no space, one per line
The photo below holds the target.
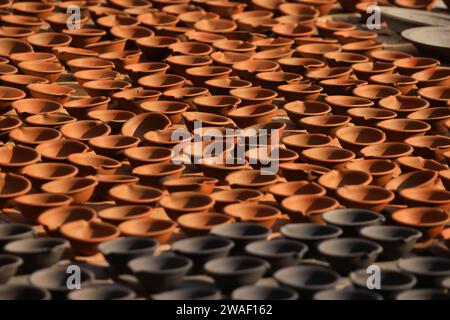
253,96
364,71
84,36
252,114
302,141
327,28
47,70
161,82
335,179
271,80
156,48
154,174
66,54
329,73
215,25
172,109
286,189
380,170
396,241
45,42
191,48
304,208
206,119
108,21
368,197
190,183
445,178
113,118
437,76
9,96
296,9
20,81
408,164
341,104
403,105
130,99
117,215
179,203
15,231
228,58
119,252
32,136
220,104
248,69
375,92
299,91
300,65
413,179
99,11
274,54
411,65
122,59
340,86
80,189
267,156
350,221
158,19
139,125
432,146
292,30
263,134
40,173
31,206
129,194
10,46
370,116
196,224
273,43
139,156
347,254
85,130
27,107
85,236
387,150
18,20
324,124
363,47
446,236
138,70
403,83
58,20
398,130
40,10
191,17
232,196
7,124
160,273
80,107
84,76
198,75
357,137
13,186
329,157
344,59
389,55
426,197
179,64
297,110
105,87
167,138
112,146
261,214
15,157
437,95
49,91
108,181
9,264
252,179
131,34
348,36
429,221
317,50
429,271
204,37
90,164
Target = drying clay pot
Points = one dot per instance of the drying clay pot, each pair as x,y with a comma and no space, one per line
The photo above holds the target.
53,218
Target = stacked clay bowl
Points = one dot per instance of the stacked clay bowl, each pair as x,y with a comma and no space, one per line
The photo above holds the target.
242,137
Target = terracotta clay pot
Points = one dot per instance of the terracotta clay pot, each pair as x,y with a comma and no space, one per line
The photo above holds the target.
403,105
365,197
90,164
10,46
408,164
223,86
129,194
14,186
389,55
398,130
375,92
409,66
80,107
248,69
204,185
40,173
119,214
206,119
195,224
355,138
252,114
335,179
138,70
370,116
58,20
251,179
53,218
9,96
110,20
32,136
301,208
317,50
341,104
344,59
153,174
141,124
85,236
131,34
167,138
426,197
161,82
264,215
85,130
348,36
16,20
363,47
54,92
286,189
20,81
299,92
330,157
438,76
105,87
84,36
179,203
436,95
365,70
432,146
232,196
84,76
445,178
380,170
156,48
27,107
139,156
327,28
15,157
403,83
80,189
324,124
414,179
45,42
254,95
301,141
429,221
299,109
292,30
300,65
